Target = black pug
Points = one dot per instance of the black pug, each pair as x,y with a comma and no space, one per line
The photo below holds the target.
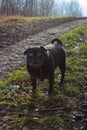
42,61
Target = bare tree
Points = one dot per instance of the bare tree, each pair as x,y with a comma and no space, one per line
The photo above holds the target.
74,8
35,8
49,7
45,7
29,8
40,8
71,8
18,6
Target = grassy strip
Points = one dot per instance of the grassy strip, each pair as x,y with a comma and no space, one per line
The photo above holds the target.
20,20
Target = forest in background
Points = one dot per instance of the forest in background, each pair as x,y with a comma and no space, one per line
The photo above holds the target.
40,8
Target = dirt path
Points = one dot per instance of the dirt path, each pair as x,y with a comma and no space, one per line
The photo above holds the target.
11,57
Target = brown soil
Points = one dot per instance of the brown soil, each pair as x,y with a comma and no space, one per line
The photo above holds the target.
12,43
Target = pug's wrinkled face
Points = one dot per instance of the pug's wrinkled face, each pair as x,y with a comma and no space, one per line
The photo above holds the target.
36,56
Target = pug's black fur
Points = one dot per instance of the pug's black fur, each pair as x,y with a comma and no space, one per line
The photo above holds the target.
42,61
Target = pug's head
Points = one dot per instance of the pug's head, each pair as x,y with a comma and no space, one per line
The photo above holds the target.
36,56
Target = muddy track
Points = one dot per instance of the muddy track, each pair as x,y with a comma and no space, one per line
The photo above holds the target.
12,44
10,34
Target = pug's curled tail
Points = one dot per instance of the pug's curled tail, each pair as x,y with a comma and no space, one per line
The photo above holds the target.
59,42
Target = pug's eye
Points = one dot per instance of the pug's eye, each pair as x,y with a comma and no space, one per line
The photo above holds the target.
40,56
30,56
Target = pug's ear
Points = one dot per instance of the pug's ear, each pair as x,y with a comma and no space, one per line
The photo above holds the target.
43,48
26,51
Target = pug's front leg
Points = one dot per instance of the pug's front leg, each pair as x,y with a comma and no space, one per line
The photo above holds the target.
33,80
51,83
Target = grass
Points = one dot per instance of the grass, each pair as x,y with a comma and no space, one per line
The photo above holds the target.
19,21
36,111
